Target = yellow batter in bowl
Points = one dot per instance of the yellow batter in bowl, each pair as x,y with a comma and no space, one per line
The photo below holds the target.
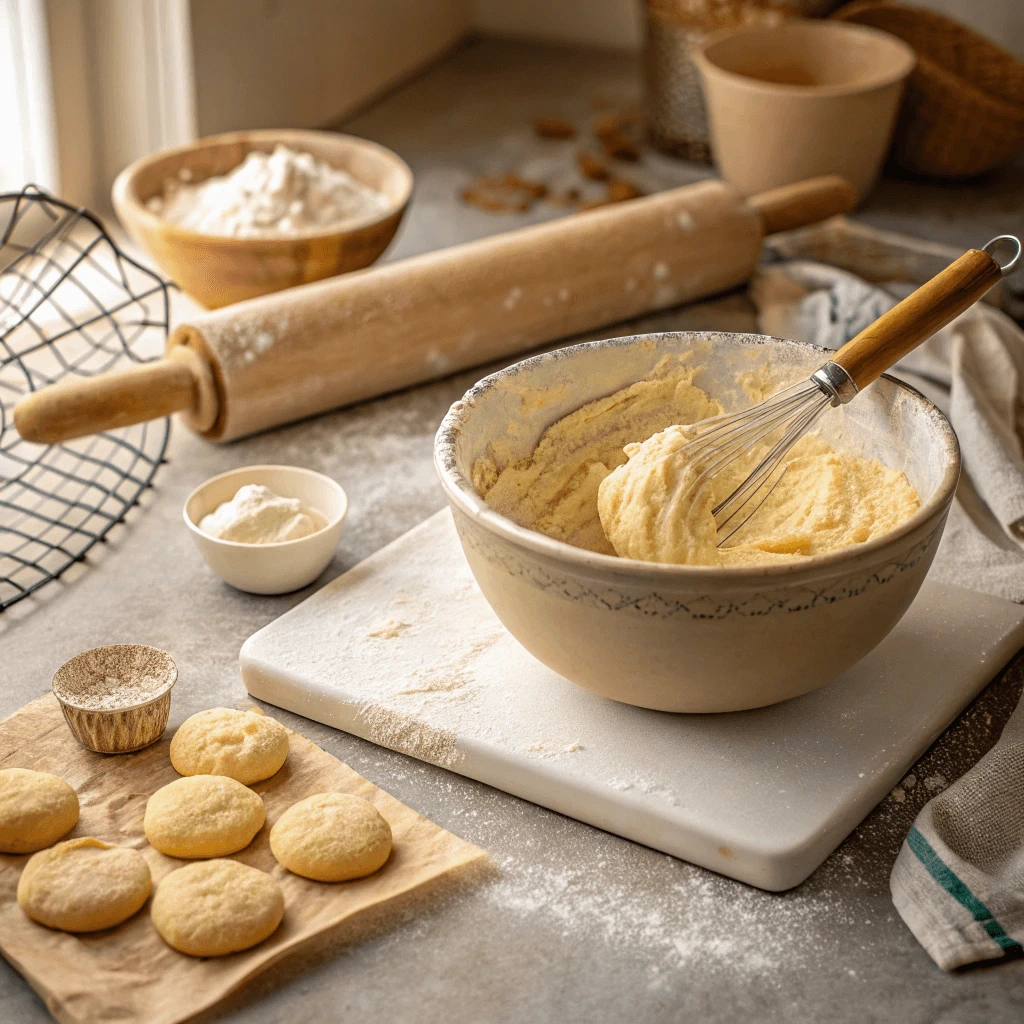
607,478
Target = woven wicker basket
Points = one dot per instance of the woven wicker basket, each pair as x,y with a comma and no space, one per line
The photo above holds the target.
963,112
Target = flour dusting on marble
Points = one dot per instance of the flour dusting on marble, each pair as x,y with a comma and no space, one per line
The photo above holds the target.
407,734
648,787
549,750
391,630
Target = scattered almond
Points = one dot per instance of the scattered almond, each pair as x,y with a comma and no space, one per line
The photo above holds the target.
570,197
619,190
536,189
616,143
482,199
593,167
553,128
619,132
619,147
509,194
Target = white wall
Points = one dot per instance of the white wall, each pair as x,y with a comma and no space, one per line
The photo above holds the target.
73,99
618,23
302,63
140,78
28,130
613,24
131,76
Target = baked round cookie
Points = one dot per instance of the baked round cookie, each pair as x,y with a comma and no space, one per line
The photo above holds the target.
202,816
84,885
244,745
331,837
36,809
217,907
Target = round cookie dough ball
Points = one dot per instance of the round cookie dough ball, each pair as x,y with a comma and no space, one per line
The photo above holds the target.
217,907
203,816
84,885
244,745
36,809
331,837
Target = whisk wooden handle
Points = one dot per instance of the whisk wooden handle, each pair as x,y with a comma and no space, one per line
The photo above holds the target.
88,405
918,317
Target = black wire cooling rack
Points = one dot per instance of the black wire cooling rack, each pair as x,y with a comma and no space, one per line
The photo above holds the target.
71,303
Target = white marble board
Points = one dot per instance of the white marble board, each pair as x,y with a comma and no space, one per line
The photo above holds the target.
403,650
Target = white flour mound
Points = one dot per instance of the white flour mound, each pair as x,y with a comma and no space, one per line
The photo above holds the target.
284,193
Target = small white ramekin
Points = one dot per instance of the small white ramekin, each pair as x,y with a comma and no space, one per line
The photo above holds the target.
269,568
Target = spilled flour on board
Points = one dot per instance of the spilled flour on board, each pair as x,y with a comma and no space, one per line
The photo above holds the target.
668,922
427,703
647,787
435,694
391,630
550,750
399,731
434,681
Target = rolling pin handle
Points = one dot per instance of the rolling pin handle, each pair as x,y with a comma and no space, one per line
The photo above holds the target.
90,405
803,203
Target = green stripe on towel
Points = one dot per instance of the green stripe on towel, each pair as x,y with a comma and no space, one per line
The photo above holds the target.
949,881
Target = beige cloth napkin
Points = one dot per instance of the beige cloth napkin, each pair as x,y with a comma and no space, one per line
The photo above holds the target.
958,881
972,370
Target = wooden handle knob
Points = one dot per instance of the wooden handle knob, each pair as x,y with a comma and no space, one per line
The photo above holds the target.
89,405
918,317
803,202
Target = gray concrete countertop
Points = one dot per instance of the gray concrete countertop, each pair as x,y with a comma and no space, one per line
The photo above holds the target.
576,924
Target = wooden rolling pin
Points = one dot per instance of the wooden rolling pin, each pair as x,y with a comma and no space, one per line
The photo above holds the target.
302,351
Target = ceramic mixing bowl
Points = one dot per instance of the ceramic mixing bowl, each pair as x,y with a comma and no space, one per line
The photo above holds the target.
693,638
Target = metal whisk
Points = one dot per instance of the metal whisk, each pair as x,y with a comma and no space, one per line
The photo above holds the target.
778,423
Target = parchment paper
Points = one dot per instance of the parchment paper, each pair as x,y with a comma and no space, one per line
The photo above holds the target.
128,973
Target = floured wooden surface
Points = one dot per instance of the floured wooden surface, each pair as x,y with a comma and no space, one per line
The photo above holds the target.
128,973
404,650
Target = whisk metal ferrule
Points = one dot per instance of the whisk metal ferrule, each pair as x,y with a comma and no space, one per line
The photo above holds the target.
837,385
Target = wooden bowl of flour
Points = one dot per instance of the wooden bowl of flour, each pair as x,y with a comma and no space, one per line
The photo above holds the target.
217,270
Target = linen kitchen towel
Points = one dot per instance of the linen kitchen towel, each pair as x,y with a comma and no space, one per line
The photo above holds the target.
958,881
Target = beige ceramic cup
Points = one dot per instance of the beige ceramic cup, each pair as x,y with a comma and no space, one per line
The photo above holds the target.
792,101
